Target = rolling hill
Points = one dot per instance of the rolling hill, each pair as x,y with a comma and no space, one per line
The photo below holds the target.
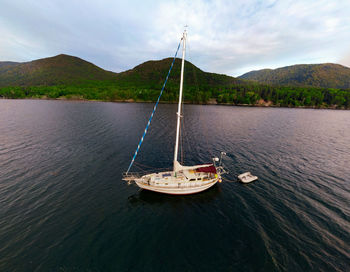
326,75
65,69
68,77
7,64
154,73
61,69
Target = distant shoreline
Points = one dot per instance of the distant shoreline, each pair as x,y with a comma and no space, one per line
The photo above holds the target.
175,102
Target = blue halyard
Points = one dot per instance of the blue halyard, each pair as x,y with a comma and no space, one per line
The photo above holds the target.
154,109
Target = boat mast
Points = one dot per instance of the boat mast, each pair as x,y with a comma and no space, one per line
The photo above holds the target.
180,100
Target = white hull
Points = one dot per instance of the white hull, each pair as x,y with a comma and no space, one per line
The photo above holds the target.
185,190
247,177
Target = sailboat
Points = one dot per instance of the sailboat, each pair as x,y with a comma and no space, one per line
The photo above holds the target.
181,180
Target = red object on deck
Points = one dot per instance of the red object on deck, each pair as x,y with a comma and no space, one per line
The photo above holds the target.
207,169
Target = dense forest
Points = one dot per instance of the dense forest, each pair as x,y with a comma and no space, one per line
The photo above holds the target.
245,94
326,75
66,77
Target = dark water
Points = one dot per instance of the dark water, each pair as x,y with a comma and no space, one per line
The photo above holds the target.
63,206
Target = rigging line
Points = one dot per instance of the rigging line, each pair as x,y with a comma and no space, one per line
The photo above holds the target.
141,168
228,180
198,90
139,165
181,142
189,57
184,136
182,120
182,132
154,109
185,139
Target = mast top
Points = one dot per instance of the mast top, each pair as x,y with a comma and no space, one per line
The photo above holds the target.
184,35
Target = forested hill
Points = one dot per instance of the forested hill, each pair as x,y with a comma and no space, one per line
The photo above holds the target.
199,86
65,69
327,75
7,64
61,69
67,77
154,73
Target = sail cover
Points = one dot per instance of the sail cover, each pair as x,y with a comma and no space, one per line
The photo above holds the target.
207,169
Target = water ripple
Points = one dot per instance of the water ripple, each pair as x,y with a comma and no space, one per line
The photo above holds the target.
63,207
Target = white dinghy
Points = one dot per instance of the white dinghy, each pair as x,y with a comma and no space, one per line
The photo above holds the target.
181,179
247,177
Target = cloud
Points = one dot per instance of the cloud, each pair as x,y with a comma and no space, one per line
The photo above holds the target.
345,59
230,37
234,36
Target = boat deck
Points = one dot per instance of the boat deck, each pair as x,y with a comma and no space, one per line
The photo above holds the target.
181,179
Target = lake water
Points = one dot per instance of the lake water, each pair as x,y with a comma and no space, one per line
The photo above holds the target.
63,206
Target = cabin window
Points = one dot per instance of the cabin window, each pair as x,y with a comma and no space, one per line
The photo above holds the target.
199,178
192,179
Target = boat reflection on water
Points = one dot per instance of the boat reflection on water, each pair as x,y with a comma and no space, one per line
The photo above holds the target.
149,197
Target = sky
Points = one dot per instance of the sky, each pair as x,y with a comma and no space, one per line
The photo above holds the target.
227,37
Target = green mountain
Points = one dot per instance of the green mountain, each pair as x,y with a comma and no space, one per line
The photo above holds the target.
7,63
64,69
154,73
67,77
327,75
150,75
61,69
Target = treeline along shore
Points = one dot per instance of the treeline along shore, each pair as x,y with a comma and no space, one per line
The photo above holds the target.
249,94
67,77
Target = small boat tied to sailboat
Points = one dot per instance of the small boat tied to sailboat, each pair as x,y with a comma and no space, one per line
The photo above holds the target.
181,180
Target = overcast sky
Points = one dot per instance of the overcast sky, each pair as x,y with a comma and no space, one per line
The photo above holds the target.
229,37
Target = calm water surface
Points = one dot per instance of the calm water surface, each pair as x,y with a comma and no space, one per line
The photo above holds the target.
63,206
